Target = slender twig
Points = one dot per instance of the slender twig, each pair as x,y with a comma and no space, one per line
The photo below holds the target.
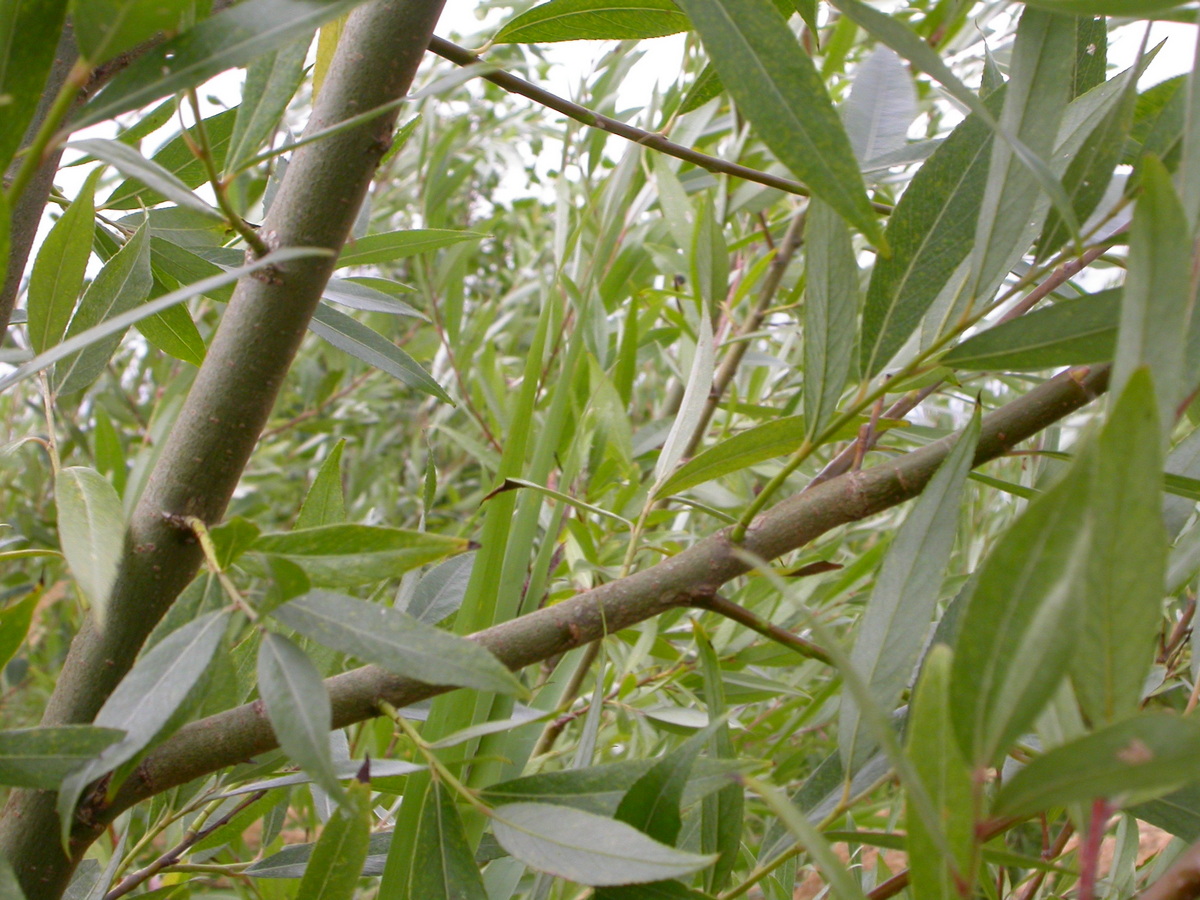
511,83
172,856
1052,852
730,610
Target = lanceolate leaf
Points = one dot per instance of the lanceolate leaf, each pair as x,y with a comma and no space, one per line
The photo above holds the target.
1036,96
337,859
1157,302
149,172
14,625
122,284
1015,639
355,338
394,245
271,80
173,332
830,313
652,803
91,528
324,503
41,757
947,779
105,28
146,701
779,90
695,395
1133,760
297,703
930,234
58,270
230,38
349,554
441,590
1071,332
29,32
448,870
574,20
587,848
881,106
1127,561
896,621
392,639
722,813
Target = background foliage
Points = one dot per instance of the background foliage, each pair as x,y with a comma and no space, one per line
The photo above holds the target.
663,373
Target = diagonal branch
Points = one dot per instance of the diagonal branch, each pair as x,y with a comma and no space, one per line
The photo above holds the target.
211,744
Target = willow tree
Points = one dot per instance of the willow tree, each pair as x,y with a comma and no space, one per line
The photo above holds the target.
579,551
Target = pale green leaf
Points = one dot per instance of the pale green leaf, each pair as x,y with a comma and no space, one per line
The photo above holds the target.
40,758
91,529
576,20
121,156
830,314
881,106
14,624
394,245
271,80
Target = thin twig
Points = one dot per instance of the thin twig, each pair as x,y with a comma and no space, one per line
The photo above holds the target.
511,83
730,610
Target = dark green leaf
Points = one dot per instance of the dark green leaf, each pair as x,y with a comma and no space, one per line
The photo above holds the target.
830,314
41,758
14,625
394,245
722,815
706,86
337,859
335,555
59,267
291,861
448,870
652,803
173,332
779,90
396,641
271,80
297,704
106,28
587,848
230,38
149,172
121,285
351,336
576,20
324,503
1147,755
29,34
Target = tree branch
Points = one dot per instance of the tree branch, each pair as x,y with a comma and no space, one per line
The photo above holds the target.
228,406
236,735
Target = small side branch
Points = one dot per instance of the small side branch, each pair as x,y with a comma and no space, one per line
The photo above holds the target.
730,610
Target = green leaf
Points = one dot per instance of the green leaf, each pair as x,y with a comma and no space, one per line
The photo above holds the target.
351,336
118,323
691,406
177,159
930,234
149,172
271,81
895,624
722,814
1015,637
1147,755
652,803
324,503
173,332
231,539
297,705
1157,300
146,701
41,758
335,555
935,757
231,38
1037,94
337,859
881,106
830,314
595,20
9,886
59,267
1142,9
587,848
396,641
779,90
29,34
706,86
448,870
106,28
91,530
291,861
394,245
14,625
655,890
1071,332
1127,560
364,297
121,285
441,590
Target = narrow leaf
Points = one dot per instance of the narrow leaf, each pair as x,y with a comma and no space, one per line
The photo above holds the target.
779,90
587,848
91,529
364,297
173,332
830,314
150,173
441,590
14,624
58,270
146,701
396,641
337,859
351,336
271,80
29,35
448,870
896,622
122,284
1140,757
881,106
394,245
41,758
297,705
231,38
324,503
695,396
652,803
106,28
595,20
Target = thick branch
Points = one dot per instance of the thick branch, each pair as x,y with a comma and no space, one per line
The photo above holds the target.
211,744
217,429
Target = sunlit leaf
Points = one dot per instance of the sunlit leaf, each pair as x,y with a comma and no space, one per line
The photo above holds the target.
574,20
